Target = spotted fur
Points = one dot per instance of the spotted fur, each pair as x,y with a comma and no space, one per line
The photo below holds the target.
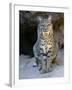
45,47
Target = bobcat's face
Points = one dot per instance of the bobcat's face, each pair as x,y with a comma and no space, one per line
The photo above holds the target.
45,24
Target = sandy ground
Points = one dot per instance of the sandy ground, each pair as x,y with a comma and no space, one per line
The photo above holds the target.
27,71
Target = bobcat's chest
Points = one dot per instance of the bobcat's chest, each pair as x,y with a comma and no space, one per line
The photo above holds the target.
48,43
48,39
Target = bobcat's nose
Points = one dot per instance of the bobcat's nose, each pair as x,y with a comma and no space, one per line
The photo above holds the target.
46,29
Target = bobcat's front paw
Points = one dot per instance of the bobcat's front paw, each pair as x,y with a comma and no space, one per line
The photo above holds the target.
49,69
43,71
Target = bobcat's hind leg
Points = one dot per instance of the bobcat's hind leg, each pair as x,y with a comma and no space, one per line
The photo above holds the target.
54,60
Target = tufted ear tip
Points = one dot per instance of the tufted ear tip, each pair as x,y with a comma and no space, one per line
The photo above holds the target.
50,18
39,18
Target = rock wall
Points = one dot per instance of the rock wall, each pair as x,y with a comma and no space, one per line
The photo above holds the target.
28,22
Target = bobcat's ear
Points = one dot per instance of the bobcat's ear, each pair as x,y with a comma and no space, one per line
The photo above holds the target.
39,19
50,19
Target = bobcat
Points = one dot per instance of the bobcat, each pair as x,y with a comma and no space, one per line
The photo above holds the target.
45,50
